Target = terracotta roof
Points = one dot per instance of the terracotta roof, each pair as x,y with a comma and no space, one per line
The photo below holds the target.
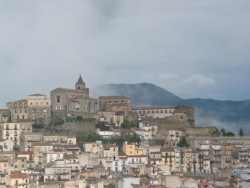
167,149
68,156
121,153
71,146
19,176
152,107
113,97
57,150
109,146
36,94
98,166
182,111
71,90
135,129
24,152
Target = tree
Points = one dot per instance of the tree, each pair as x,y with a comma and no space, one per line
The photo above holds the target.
79,118
241,133
223,131
57,121
229,134
183,142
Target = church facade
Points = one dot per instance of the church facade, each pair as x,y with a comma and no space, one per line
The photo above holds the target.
67,103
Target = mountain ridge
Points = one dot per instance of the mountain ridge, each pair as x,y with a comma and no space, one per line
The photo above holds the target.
142,94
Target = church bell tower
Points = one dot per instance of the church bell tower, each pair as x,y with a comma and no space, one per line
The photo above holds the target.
80,85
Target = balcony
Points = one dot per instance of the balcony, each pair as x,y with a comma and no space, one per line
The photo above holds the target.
75,170
109,159
2,183
4,160
7,134
40,156
63,179
50,179
21,184
62,173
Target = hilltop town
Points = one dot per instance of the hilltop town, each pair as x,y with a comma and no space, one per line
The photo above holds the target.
72,140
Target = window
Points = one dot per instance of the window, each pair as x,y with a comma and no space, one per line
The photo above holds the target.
25,111
21,111
31,103
58,99
25,105
15,105
15,111
20,105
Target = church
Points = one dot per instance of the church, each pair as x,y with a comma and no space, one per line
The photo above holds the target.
67,103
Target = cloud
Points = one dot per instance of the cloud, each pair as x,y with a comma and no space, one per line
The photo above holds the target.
46,44
169,77
199,80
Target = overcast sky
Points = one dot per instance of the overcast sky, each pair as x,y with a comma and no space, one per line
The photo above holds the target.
193,48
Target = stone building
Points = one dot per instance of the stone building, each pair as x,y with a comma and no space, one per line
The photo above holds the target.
39,108
5,115
68,103
18,109
116,105
180,113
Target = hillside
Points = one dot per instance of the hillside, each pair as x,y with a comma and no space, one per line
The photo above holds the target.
228,114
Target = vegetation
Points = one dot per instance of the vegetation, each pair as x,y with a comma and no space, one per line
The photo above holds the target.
183,142
79,119
128,124
57,121
224,133
38,126
92,137
15,148
241,133
229,134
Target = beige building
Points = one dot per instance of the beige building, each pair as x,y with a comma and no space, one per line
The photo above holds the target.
12,131
57,174
18,180
7,162
38,149
39,108
112,117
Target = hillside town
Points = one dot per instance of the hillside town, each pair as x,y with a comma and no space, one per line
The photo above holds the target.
118,145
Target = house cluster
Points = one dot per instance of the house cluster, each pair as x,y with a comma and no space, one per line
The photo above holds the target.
171,153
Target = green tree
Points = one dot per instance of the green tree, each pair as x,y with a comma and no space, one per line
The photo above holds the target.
57,121
15,148
229,134
241,133
183,142
223,131
79,118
